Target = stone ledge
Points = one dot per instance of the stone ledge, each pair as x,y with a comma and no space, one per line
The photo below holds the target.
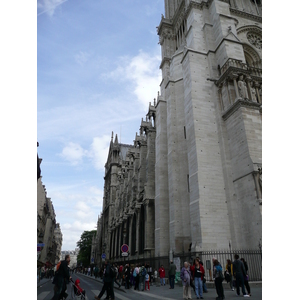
240,103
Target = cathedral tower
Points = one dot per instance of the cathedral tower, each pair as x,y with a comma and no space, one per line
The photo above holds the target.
208,119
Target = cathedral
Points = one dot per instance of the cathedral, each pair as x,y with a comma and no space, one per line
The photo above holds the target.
192,179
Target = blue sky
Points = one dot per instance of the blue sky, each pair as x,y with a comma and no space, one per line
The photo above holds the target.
97,70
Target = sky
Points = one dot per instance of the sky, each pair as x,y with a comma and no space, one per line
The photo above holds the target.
97,70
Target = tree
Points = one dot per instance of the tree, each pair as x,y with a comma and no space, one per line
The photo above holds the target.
85,247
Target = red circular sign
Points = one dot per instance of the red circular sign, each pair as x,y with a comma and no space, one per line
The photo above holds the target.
124,248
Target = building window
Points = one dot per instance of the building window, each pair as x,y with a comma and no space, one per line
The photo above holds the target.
188,182
184,131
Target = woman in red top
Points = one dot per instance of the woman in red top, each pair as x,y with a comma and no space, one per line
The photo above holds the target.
162,274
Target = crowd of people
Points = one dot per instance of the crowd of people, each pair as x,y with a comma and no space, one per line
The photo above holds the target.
140,276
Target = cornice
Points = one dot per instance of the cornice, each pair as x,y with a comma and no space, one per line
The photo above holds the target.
240,103
245,14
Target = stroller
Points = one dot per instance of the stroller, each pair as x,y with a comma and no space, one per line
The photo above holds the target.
76,294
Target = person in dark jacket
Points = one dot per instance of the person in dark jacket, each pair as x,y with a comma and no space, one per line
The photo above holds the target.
62,276
172,272
127,276
217,274
246,279
239,272
108,279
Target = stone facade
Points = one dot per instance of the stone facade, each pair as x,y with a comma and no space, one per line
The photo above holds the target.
192,180
48,232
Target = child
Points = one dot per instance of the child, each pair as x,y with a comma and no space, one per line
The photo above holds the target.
147,282
78,289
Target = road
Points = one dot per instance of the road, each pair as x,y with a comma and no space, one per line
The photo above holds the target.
93,287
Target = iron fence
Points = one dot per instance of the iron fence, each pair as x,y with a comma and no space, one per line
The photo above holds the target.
252,257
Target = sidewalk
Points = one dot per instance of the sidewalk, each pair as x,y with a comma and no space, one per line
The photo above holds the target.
163,292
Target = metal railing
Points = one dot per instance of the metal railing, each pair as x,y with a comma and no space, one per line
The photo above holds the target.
252,257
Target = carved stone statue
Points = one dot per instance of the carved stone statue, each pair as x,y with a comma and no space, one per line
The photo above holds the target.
260,178
242,88
253,92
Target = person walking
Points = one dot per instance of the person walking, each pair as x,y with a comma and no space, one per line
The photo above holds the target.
108,281
198,277
239,272
147,278
61,277
162,275
185,276
155,277
229,273
127,276
172,272
204,279
246,278
218,276
136,272
116,271
143,273
96,271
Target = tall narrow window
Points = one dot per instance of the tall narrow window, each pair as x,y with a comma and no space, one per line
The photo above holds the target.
188,182
184,131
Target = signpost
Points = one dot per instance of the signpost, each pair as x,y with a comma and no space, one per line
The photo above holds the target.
124,254
124,248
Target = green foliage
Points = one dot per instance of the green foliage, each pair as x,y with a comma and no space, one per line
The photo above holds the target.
85,247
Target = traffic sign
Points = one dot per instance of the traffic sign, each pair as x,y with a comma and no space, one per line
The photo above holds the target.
41,245
92,260
124,254
124,248
103,255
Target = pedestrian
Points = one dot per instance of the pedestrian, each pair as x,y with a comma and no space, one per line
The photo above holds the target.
61,277
142,273
246,278
218,276
155,277
132,282
137,277
229,273
108,282
204,279
192,269
121,273
162,275
172,272
147,278
89,271
127,276
198,278
185,276
239,272
116,271
96,271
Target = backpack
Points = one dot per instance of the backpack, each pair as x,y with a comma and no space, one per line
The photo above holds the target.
113,272
134,273
144,272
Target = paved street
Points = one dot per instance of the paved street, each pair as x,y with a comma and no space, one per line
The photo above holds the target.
93,287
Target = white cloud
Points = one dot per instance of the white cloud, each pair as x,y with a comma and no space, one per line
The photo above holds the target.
82,57
99,151
48,6
142,73
73,153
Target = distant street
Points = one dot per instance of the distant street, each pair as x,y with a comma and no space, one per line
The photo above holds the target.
93,287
